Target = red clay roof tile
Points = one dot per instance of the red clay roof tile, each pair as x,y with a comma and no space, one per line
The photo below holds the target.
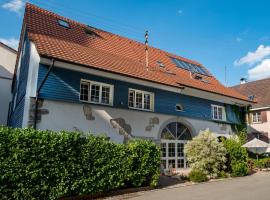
110,52
260,89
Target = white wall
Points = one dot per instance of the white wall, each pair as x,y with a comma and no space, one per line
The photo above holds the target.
31,86
7,64
70,116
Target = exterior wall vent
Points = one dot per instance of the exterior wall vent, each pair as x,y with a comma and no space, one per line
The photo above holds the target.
179,107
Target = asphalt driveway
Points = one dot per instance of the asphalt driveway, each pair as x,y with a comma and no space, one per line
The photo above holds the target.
254,187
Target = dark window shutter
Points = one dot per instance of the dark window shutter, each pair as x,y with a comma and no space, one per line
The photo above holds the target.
264,116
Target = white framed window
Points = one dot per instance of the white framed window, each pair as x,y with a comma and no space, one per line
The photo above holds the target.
256,117
96,92
218,113
141,100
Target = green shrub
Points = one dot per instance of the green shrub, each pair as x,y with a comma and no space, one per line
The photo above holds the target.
260,163
251,164
48,165
222,174
239,168
197,176
237,156
204,153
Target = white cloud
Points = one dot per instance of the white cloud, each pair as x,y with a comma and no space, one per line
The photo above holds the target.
11,42
254,57
260,71
14,6
180,12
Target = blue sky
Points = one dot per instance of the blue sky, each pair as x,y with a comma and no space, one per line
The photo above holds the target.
217,33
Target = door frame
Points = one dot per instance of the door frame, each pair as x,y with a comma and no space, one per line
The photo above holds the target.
175,157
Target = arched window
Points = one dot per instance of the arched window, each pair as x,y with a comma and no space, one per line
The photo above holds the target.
173,139
176,131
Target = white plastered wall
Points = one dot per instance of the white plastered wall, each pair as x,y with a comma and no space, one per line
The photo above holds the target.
31,87
70,116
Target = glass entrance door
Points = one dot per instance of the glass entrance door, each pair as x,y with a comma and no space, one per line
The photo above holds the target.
173,139
173,154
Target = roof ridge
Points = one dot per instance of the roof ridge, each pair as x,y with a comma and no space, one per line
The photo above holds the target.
251,82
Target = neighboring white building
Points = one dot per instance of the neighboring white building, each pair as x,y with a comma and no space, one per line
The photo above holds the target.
7,64
259,115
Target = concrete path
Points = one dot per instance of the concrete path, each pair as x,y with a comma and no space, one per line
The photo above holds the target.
254,187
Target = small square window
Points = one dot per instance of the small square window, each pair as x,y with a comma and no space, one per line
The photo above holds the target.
95,92
218,113
63,23
256,117
140,100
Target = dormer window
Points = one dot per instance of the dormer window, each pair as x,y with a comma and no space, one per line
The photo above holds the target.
198,77
63,23
251,97
89,30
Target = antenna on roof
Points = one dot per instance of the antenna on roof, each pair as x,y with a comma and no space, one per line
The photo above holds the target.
226,81
146,49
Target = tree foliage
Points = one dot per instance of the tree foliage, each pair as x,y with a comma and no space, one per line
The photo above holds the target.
204,153
237,156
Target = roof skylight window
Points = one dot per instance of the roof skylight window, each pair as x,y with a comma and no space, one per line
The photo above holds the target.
160,64
63,23
189,66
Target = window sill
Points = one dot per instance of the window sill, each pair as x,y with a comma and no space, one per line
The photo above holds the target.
140,109
97,103
219,120
256,122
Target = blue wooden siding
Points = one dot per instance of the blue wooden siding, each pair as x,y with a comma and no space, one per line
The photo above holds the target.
64,85
16,117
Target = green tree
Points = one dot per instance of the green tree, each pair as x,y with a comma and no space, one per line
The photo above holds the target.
236,156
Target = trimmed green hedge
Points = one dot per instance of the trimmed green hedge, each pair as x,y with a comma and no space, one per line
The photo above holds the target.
48,165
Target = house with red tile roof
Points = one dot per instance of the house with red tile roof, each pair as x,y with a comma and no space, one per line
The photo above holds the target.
259,114
76,77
